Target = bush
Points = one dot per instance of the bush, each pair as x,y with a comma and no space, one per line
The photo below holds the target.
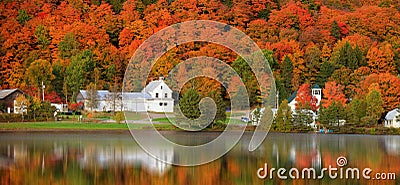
10,117
120,116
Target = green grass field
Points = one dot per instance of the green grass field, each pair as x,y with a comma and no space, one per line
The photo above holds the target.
78,126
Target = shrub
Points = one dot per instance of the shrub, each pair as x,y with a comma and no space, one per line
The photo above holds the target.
119,117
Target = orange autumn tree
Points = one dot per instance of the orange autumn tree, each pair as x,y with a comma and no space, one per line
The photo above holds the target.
333,93
380,59
305,100
388,86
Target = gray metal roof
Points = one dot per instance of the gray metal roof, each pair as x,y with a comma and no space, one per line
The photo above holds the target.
5,92
127,95
134,95
102,94
392,114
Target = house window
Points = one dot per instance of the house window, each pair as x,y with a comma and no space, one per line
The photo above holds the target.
161,87
166,95
317,92
160,104
156,95
165,104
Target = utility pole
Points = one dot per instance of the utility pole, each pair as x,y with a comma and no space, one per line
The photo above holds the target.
277,100
43,86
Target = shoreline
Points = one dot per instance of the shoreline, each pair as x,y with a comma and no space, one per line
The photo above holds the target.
127,131
74,127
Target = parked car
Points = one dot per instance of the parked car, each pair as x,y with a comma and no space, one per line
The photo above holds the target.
245,119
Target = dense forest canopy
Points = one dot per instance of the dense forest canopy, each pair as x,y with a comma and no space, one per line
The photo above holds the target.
73,43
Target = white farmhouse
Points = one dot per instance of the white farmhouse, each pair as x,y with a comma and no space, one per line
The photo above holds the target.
155,97
392,118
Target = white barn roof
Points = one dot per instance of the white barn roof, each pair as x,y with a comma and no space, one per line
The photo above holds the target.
127,95
134,95
102,93
392,114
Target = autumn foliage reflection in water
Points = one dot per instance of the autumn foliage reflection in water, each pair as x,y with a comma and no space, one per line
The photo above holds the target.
113,159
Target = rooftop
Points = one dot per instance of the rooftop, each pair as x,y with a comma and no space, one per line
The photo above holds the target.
5,92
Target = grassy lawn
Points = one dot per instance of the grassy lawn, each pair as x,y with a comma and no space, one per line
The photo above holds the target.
166,120
78,126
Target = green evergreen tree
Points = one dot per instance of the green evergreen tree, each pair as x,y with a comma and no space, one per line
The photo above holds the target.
331,115
357,110
396,59
327,69
189,104
287,74
269,55
283,117
248,78
303,117
374,107
23,17
59,76
281,90
347,56
74,78
335,30
42,35
359,56
240,95
220,115
69,46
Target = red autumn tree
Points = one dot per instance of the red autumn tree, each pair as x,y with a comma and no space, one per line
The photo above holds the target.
304,98
333,93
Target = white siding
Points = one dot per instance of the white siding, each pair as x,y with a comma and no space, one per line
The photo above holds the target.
159,105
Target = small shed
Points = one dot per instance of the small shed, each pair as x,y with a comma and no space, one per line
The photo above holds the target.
7,99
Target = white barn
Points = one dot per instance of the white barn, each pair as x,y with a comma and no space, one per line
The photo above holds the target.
155,97
392,118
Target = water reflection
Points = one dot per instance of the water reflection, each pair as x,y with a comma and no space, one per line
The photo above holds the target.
392,145
81,158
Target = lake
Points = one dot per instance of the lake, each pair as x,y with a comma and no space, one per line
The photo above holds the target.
115,158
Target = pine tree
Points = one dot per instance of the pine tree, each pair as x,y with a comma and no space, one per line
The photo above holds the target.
327,69
239,96
359,56
189,104
331,115
335,30
357,110
281,90
348,57
248,78
374,106
283,117
220,115
287,74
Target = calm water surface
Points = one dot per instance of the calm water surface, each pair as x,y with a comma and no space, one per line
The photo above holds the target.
114,158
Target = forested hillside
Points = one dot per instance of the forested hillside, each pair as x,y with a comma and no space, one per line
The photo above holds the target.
70,44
